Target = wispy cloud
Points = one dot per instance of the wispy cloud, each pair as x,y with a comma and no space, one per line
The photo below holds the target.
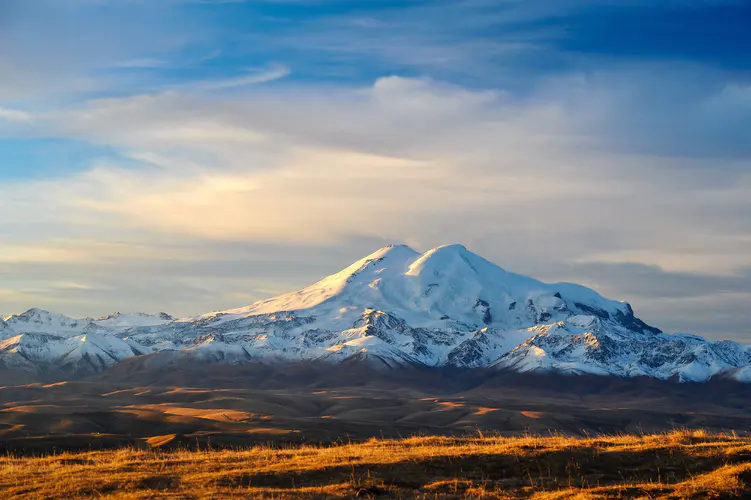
14,115
140,63
254,77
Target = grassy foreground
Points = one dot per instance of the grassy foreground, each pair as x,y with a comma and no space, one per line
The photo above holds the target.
674,465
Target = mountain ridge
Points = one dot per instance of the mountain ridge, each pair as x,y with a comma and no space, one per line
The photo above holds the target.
394,307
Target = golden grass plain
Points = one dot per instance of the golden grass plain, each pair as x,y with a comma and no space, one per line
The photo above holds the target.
677,464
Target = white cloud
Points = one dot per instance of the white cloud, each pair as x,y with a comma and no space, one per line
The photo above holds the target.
14,115
421,97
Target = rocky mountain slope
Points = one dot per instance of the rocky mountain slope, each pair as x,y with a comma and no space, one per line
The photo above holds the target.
395,307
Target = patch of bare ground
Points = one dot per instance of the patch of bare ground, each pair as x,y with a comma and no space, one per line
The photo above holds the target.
678,464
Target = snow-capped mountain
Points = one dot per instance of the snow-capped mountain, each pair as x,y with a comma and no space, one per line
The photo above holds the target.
42,341
395,307
41,321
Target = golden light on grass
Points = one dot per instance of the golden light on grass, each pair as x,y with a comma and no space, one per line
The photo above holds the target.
672,465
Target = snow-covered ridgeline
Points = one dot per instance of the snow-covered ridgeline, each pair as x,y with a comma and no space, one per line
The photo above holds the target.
446,306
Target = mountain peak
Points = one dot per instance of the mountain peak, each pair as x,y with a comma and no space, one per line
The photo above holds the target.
36,313
40,320
445,287
451,247
137,319
389,250
453,259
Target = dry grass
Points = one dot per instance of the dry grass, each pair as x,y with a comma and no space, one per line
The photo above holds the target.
679,464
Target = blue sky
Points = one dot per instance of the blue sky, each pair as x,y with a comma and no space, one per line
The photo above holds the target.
190,155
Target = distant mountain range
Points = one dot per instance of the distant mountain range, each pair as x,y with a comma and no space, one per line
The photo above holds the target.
391,309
